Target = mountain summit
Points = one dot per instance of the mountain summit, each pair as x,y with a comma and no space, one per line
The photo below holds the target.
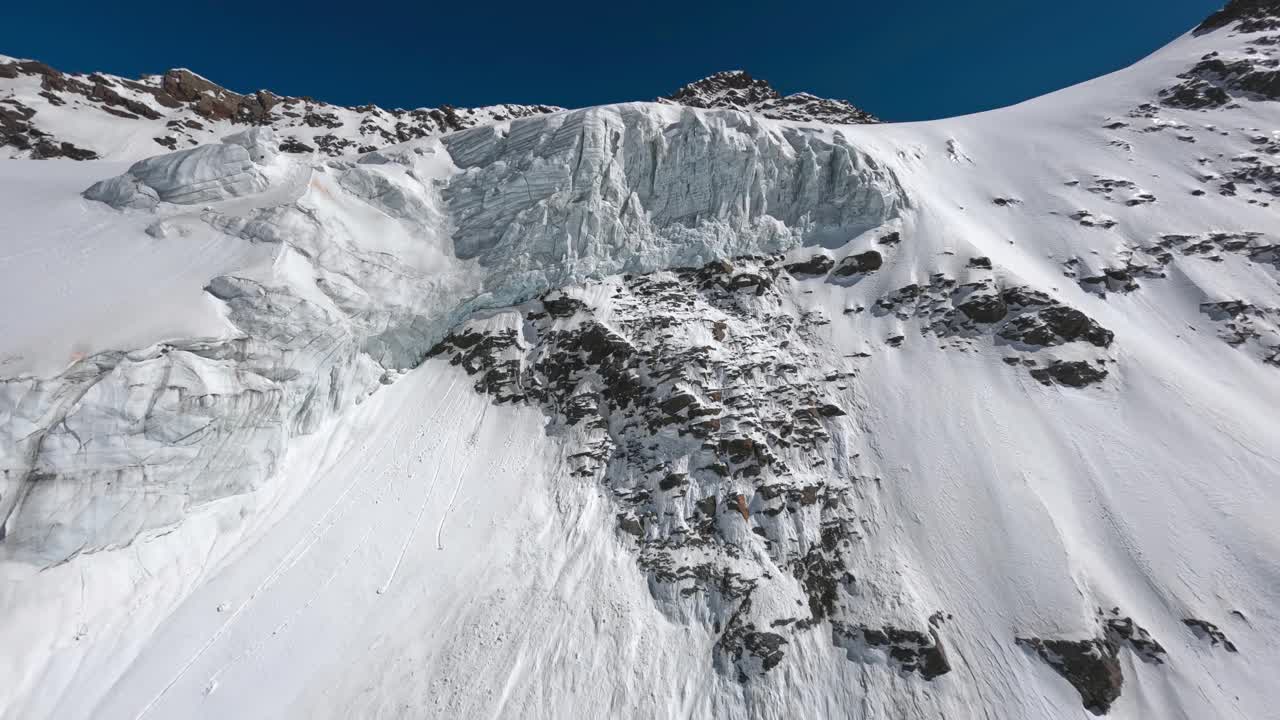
1246,16
737,90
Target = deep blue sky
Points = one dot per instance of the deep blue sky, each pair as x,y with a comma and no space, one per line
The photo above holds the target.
899,59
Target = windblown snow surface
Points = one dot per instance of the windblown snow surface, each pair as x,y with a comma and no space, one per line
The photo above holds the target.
653,411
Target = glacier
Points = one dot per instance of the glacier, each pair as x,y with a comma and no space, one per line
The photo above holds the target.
651,410
359,313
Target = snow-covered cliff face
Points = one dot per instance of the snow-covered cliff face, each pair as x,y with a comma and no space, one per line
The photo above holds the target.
649,410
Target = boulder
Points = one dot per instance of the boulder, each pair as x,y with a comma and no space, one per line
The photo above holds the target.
816,265
863,262
985,307
1072,373
1091,666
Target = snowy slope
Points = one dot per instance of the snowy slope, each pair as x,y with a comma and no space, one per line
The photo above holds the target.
658,411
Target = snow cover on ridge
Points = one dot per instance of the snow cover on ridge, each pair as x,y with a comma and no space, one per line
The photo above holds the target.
45,113
648,410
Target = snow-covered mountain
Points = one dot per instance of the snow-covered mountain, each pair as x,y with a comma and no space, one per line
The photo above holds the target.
650,410
46,113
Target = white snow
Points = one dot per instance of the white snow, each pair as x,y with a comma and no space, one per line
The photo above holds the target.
258,500
81,278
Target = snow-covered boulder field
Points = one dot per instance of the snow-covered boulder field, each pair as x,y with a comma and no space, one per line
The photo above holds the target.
650,410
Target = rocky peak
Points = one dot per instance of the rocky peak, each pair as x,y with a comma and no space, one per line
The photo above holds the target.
734,89
215,102
187,86
1246,15
738,90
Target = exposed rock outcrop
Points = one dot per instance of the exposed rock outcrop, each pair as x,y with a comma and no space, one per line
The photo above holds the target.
1215,82
1072,373
737,90
909,650
859,263
1025,319
816,265
1210,633
1245,15
1091,666
730,492
1124,631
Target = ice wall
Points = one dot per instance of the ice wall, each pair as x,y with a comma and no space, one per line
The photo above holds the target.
634,188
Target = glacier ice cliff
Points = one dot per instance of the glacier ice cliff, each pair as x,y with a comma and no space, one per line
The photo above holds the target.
132,440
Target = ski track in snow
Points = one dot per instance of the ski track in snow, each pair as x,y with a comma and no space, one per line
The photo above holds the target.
471,442
417,521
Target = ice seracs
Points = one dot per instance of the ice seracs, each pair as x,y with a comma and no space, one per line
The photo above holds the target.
190,177
640,187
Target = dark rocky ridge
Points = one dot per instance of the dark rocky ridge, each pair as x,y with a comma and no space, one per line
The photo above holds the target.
859,263
16,126
1022,319
1245,15
193,102
1220,81
1217,82
912,650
